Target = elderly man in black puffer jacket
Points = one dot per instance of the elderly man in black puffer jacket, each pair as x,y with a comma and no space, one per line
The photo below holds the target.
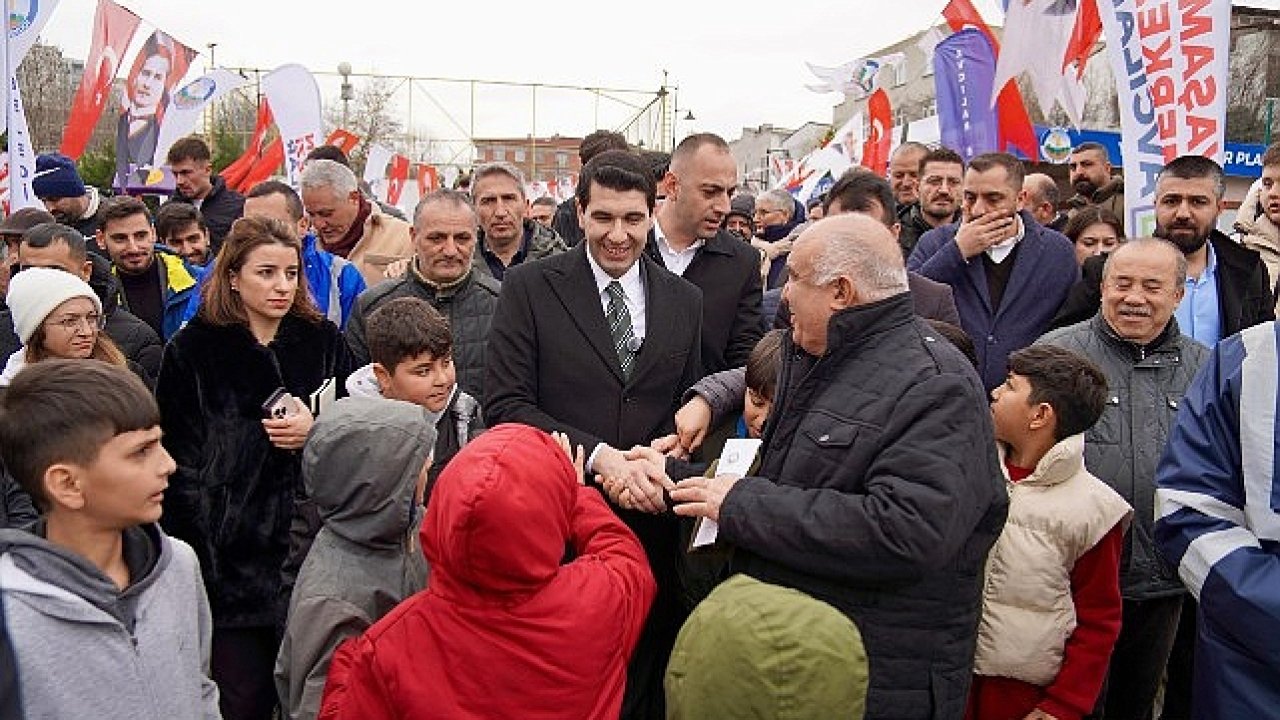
879,490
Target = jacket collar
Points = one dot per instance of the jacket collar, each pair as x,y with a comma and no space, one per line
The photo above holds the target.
849,329
1063,461
440,291
1166,343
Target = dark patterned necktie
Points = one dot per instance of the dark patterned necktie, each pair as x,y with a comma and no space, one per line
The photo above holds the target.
620,327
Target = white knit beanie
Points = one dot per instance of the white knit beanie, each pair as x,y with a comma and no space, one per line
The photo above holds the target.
36,292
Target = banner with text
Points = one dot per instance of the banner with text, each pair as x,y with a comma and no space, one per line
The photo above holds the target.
1141,149
964,66
295,102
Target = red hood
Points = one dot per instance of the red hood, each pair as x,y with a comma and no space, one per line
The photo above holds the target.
498,518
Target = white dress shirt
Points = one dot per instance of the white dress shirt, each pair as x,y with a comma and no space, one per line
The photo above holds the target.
677,261
1001,250
632,287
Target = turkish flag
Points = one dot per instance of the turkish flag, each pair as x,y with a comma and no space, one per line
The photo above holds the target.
1084,36
113,29
1011,112
264,167
875,150
397,175
235,173
428,179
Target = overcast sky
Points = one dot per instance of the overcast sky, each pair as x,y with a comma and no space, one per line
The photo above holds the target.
736,64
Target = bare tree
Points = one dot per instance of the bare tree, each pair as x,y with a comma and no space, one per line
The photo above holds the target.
48,83
373,115
1247,88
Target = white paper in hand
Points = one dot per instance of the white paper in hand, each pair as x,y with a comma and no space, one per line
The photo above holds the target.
736,459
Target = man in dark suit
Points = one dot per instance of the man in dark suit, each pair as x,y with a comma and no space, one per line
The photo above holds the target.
599,343
687,239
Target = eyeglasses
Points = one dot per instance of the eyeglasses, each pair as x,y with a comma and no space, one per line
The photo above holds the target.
72,323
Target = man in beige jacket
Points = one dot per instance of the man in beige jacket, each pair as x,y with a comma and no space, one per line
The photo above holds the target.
350,226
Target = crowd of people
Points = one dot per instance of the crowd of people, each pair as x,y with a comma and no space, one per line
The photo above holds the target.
938,444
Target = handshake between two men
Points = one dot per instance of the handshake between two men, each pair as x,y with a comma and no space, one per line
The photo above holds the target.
638,478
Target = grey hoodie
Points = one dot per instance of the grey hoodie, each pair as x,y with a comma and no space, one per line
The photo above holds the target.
85,648
360,465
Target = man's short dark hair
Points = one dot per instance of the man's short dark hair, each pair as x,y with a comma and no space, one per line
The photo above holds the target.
1013,169
659,162
1271,156
175,217
545,200
763,364
58,411
329,152
1069,382
1088,145
188,148
46,234
598,142
855,191
292,202
941,155
618,170
119,208
1195,167
405,328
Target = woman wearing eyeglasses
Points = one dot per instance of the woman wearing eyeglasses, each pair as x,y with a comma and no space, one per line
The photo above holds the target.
57,315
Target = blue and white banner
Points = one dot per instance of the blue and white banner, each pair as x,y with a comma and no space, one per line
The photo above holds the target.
185,106
1141,146
964,68
25,19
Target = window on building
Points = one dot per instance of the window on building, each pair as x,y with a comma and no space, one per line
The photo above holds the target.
519,155
499,154
900,74
562,159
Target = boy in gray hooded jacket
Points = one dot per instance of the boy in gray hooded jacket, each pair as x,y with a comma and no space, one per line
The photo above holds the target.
107,615
365,467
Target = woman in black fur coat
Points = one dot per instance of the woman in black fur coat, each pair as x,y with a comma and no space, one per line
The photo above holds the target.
233,495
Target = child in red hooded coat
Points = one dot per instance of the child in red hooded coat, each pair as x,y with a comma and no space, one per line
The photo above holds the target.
503,629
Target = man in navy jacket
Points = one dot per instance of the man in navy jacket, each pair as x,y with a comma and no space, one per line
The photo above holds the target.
1009,274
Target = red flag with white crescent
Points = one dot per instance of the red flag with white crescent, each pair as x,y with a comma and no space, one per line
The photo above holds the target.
235,173
113,29
875,151
397,175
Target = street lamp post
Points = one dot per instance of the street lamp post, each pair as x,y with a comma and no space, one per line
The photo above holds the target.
348,92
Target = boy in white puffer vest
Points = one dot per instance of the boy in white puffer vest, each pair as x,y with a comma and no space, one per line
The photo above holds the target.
1051,602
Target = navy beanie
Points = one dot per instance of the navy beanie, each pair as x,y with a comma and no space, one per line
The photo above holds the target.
56,177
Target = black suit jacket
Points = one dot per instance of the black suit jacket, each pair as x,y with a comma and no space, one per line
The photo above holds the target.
1245,291
551,364
727,271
